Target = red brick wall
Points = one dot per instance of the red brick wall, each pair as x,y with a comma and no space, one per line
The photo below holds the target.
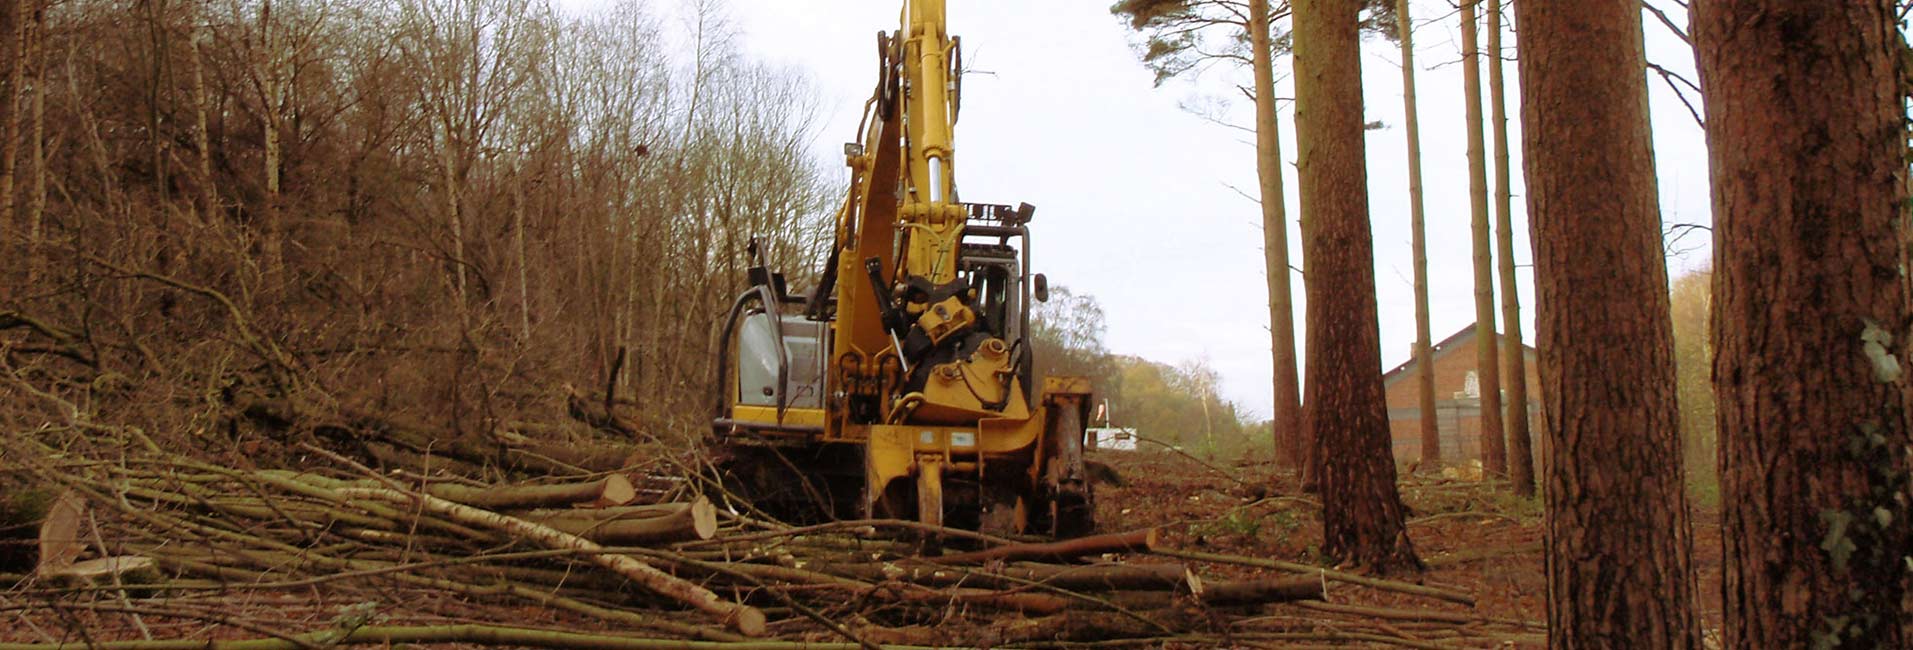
1452,364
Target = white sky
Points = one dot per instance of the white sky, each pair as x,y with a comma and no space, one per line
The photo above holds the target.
1134,194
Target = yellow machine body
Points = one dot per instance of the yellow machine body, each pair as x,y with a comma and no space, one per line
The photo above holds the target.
914,332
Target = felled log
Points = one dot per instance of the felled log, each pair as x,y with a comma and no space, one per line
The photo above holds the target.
126,570
1092,626
1327,574
1095,577
634,526
39,528
1254,591
450,633
612,490
1130,542
746,620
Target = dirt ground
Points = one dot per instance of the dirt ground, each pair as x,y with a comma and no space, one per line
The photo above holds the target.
1475,537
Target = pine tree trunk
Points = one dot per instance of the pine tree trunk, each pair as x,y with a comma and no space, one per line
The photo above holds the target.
1803,118
1286,417
1494,451
1362,516
1619,548
1520,453
1424,337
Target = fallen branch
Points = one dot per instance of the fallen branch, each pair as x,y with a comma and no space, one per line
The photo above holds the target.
1096,577
490,635
1130,542
746,620
1327,574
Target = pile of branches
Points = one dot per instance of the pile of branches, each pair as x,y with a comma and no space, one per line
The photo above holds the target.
336,553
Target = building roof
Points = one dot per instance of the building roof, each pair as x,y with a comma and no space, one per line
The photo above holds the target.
1442,349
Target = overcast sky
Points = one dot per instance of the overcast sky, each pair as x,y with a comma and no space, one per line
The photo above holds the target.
1134,193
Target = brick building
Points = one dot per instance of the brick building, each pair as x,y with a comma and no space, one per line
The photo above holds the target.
1457,400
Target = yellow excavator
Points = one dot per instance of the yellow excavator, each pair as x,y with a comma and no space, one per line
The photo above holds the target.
901,384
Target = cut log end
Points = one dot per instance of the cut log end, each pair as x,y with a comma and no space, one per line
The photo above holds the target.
750,621
618,491
60,533
703,519
39,528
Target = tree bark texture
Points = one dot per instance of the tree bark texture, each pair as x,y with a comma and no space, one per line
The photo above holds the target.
1804,126
1347,418
1619,549
1520,451
1424,336
1494,446
1286,417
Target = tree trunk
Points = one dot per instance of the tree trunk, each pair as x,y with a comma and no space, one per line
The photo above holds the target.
1494,451
36,195
269,112
1619,551
1520,453
202,104
1347,417
1286,417
1803,119
524,285
11,114
1424,337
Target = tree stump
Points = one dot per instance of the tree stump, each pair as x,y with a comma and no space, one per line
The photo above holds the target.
39,529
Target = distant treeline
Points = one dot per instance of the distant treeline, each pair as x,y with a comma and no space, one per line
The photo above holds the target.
1176,405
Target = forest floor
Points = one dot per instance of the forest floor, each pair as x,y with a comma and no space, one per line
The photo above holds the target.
1475,537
